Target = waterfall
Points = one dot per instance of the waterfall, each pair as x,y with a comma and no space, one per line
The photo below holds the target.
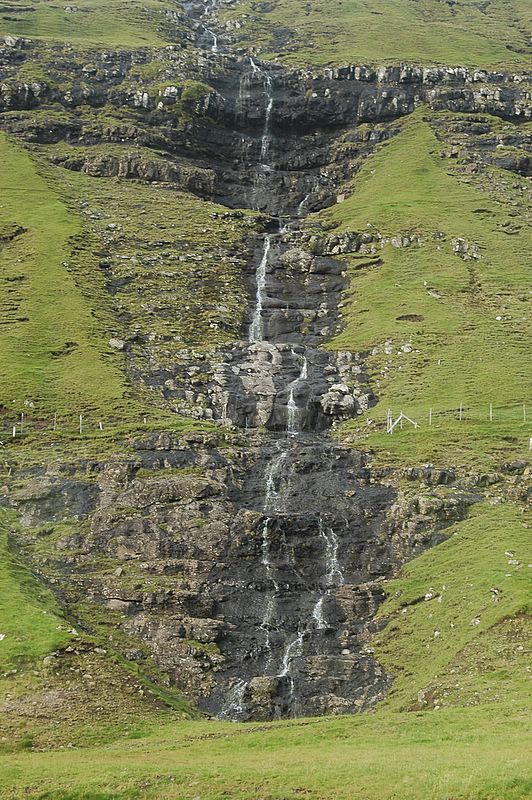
235,701
311,185
271,603
333,575
214,47
317,615
280,610
273,500
208,8
266,552
256,333
265,143
293,650
292,409
301,206
268,89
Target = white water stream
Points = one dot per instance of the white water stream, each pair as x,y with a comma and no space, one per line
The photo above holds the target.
268,89
271,604
293,414
333,577
278,471
256,332
235,701
208,8
274,500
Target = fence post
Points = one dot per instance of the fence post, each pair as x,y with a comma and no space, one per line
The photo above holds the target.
430,416
524,412
80,424
491,412
460,413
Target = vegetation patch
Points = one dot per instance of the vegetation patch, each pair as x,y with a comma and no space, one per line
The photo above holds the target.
441,324
32,624
464,596
471,754
136,23
340,32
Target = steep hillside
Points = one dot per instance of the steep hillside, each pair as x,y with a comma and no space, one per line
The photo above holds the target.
443,314
224,279
469,32
96,22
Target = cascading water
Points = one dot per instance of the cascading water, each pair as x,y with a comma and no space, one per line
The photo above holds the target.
273,499
235,701
214,46
294,646
293,651
271,602
292,408
303,203
318,616
275,591
268,90
265,166
256,332
334,575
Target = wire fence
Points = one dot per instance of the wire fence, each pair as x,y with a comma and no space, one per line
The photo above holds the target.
516,413
19,424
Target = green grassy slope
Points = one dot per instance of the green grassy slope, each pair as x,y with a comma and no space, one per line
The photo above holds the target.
52,337
57,317
454,724
465,321
59,683
353,31
464,755
436,750
91,22
32,624
475,583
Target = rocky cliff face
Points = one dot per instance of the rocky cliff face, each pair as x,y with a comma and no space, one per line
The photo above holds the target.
251,572
250,567
210,134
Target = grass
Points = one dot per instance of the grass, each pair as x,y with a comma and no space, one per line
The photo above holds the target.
464,755
93,22
454,724
83,680
171,257
461,319
176,283
435,751
32,623
474,587
354,31
54,353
